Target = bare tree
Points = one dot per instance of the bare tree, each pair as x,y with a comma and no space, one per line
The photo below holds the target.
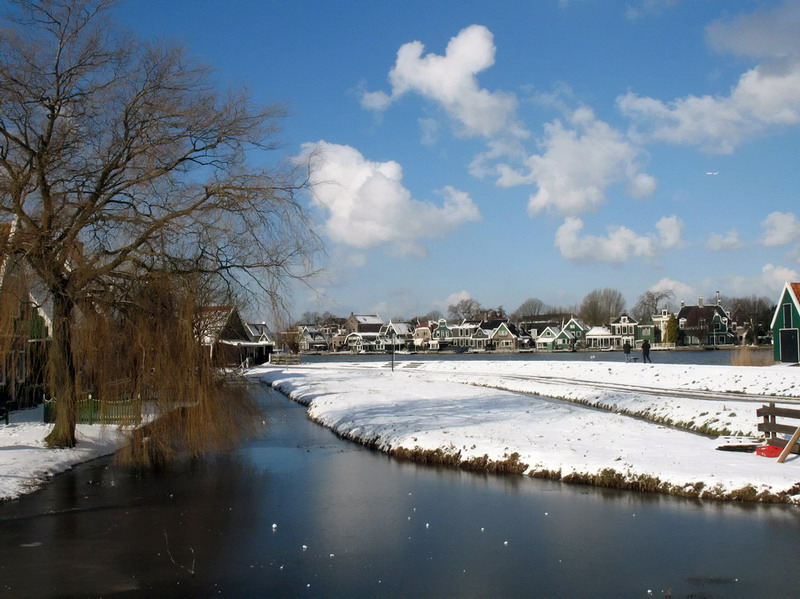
118,159
649,304
530,307
754,313
466,309
600,306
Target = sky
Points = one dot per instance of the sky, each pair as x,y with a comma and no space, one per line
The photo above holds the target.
524,149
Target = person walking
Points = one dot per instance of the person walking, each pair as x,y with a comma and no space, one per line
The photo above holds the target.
626,348
646,352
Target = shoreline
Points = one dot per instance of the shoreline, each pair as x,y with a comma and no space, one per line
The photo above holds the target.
406,431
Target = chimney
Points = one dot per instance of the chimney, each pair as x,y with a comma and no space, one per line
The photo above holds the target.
718,298
700,301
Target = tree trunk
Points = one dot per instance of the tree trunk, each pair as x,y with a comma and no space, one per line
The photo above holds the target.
61,375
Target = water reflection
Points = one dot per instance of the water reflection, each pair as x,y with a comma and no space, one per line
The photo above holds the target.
353,523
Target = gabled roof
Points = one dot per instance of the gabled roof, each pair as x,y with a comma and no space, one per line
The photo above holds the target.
693,314
401,328
554,331
628,321
794,293
582,325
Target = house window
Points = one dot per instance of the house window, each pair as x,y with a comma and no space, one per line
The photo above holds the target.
787,316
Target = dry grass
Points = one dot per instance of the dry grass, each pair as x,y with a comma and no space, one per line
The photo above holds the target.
745,355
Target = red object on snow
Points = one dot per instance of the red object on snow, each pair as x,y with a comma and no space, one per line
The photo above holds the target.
769,451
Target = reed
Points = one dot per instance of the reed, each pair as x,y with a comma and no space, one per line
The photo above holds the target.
745,355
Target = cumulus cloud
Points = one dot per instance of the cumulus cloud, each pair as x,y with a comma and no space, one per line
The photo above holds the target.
780,228
679,290
620,245
452,300
774,277
766,96
723,243
366,203
670,229
579,161
451,82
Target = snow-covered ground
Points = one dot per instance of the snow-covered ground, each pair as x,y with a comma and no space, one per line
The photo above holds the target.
483,411
469,410
25,461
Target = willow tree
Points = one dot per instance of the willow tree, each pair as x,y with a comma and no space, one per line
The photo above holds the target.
118,158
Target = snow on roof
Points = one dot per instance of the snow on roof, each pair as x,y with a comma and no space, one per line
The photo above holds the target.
368,318
598,331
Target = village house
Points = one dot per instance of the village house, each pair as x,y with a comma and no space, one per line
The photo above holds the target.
230,341
785,325
599,338
361,332
422,336
555,338
396,336
310,339
623,330
577,329
703,325
504,335
660,323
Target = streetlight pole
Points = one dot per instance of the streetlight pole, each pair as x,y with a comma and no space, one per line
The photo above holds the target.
394,340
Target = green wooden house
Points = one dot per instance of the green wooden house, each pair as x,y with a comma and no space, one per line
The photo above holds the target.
785,325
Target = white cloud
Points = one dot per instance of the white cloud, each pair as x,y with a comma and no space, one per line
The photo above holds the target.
580,160
766,96
723,243
670,229
774,277
451,82
452,300
780,228
680,291
366,203
620,245
767,34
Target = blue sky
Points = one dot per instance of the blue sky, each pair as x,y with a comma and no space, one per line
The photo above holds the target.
502,151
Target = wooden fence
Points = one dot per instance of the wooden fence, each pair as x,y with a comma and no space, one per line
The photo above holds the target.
94,411
773,431
284,359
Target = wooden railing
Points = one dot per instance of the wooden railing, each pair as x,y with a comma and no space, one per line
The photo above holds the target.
772,429
284,359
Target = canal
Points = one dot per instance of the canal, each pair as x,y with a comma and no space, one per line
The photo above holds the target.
302,513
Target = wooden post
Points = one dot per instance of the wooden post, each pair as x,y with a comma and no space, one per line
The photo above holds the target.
789,445
772,420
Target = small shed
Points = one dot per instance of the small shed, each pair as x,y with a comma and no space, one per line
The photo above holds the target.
786,324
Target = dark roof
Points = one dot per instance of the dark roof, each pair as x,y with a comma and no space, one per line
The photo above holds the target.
693,314
495,323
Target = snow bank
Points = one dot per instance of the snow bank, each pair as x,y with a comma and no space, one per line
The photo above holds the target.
425,409
25,461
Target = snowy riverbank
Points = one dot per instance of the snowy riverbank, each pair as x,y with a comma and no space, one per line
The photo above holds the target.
426,411
25,461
